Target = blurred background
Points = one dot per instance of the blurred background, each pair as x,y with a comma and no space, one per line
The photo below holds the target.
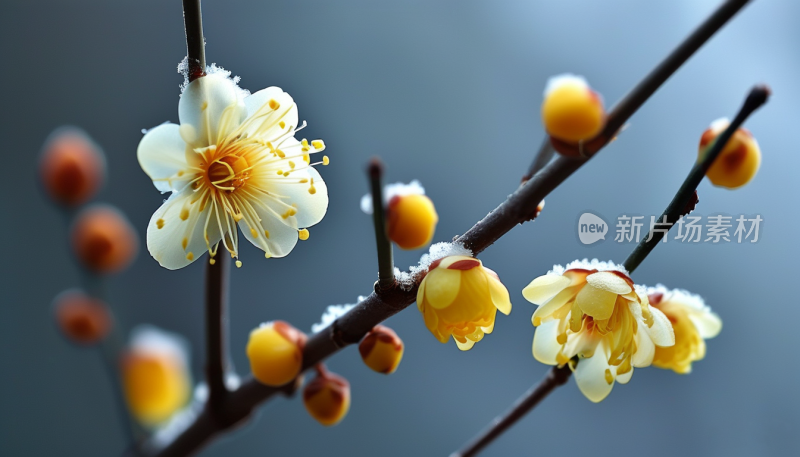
447,92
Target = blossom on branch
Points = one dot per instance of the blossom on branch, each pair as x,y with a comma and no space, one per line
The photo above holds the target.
232,161
327,397
275,350
739,160
411,217
381,349
459,297
693,322
592,311
572,112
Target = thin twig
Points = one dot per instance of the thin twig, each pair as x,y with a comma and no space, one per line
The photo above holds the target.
195,43
557,376
385,262
216,329
676,208
542,158
384,303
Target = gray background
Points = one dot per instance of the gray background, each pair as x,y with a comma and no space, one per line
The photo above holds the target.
447,92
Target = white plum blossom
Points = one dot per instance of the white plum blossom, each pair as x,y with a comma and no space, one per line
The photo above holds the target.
232,161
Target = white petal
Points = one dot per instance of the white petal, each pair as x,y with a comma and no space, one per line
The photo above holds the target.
708,323
311,208
544,288
263,121
624,378
162,155
591,375
609,282
661,332
166,243
645,349
267,215
202,110
545,345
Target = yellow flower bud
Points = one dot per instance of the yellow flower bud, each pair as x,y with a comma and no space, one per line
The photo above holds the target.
104,240
327,397
81,318
275,351
155,376
460,297
572,111
72,167
411,220
381,349
738,162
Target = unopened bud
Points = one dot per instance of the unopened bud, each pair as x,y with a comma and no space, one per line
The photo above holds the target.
572,112
275,351
738,162
381,349
411,220
327,397
104,240
71,167
81,318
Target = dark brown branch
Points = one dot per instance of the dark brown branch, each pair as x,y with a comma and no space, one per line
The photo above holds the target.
554,378
195,43
385,262
216,326
677,207
384,303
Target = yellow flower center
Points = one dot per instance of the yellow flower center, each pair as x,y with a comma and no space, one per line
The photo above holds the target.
229,172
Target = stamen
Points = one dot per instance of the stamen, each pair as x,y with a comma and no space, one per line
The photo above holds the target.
303,234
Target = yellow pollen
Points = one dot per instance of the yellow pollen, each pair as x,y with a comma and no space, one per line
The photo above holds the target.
291,164
325,160
286,174
289,212
318,144
184,243
273,104
204,107
267,256
306,157
190,256
312,190
609,378
160,224
253,232
211,261
282,124
184,214
303,234
302,181
280,172
238,216
280,153
238,264
180,173
266,233
304,143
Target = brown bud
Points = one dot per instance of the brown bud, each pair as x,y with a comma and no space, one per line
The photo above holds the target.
327,397
81,318
381,349
71,167
104,240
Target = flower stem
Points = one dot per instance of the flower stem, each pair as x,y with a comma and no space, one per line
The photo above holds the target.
557,376
216,330
385,263
633,100
195,43
677,207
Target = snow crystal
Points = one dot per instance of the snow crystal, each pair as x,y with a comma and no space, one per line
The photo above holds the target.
587,264
334,312
392,190
148,338
437,251
679,295
213,69
554,82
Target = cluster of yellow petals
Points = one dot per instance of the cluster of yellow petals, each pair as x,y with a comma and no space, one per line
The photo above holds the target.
459,297
598,317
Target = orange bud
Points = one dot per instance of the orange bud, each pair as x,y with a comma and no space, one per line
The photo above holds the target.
81,318
71,167
381,349
411,220
572,112
104,240
275,350
327,397
739,160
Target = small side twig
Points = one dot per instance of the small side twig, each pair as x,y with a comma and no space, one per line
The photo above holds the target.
677,207
554,378
385,262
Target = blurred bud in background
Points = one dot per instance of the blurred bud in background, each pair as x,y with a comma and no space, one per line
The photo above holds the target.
572,112
738,162
82,319
275,350
72,167
381,349
104,240
155,374
327,397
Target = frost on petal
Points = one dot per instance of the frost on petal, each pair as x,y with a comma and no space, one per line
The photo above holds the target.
390,191
609,282
207,104
176,234
437,251
565,79
595,264
162,155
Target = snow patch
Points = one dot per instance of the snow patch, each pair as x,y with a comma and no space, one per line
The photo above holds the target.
334,312
393,190
407,279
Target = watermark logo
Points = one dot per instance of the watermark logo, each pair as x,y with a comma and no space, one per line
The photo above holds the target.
591,228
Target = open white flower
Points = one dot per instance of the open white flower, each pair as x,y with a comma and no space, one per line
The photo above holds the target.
232,160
